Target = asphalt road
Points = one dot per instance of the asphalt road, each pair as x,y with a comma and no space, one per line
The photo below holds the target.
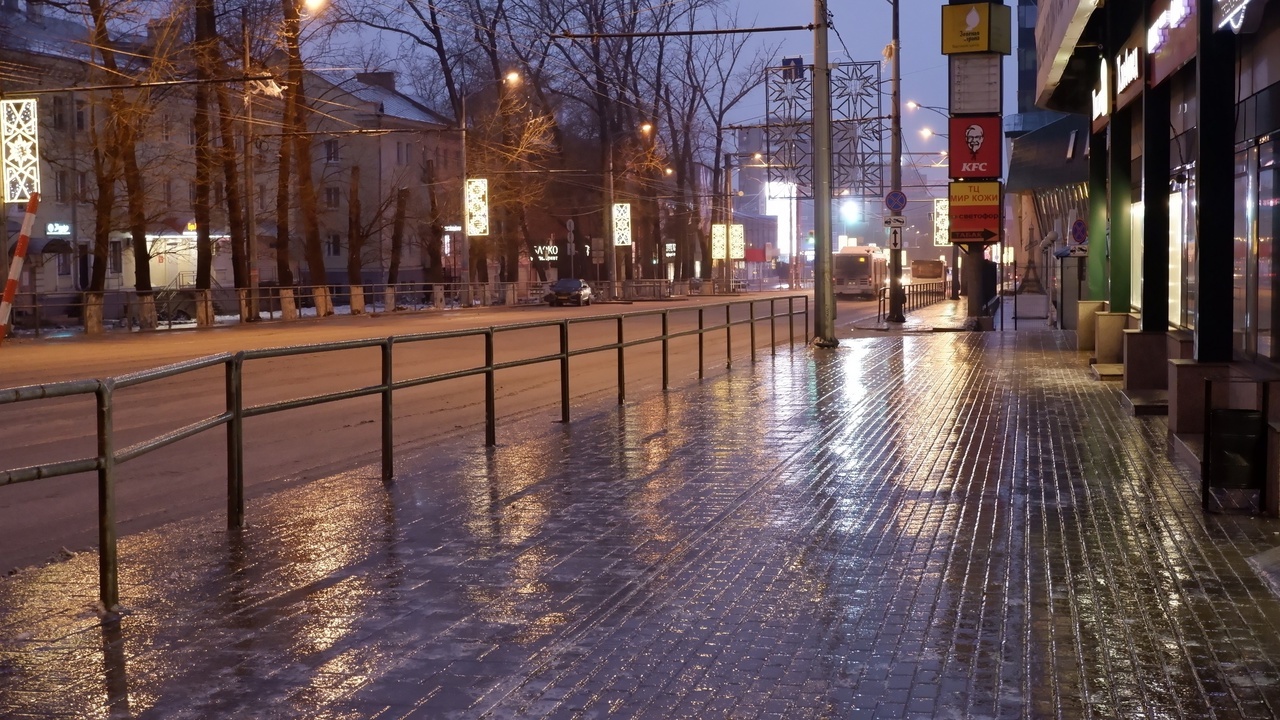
39,519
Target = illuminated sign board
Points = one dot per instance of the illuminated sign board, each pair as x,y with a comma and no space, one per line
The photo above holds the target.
1175,17
719,241
19,150
1128,69
477,206
546,253
1238,16
975,212
941,222
622,224
975,147
1102,93
976,28
1171,39
57,229
737,242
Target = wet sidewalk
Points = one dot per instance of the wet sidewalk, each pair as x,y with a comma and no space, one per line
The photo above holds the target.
914,525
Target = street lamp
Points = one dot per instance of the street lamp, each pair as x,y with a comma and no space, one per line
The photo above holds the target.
927,133
913,105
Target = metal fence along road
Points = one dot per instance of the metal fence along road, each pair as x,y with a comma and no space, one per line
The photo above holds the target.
108,457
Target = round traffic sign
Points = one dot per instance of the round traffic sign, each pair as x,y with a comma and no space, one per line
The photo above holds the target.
1079,231
896,200
568,225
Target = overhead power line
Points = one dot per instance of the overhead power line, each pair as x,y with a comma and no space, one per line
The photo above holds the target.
683,33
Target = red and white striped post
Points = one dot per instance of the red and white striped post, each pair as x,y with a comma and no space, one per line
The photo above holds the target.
15,266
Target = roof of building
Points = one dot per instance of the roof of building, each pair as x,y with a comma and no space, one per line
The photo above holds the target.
1052,156
373,89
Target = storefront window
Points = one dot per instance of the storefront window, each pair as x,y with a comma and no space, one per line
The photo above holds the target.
1191,281
1176,315
1136,245
1268,220
1242,257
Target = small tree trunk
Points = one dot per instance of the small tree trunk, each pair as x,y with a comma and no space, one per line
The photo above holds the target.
355,244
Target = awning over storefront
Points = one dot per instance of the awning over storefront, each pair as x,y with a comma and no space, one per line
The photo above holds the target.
1059,27
1051,157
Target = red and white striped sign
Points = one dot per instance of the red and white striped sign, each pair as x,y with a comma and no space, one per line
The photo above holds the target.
15,266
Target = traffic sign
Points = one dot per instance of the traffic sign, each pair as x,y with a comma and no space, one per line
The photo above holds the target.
1079,231
895,238
568,225
896,200
975,212
895,221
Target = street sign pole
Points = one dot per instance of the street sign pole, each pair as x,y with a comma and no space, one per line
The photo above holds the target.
895,170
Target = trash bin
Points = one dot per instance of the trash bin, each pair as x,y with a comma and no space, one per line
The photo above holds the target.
1235,451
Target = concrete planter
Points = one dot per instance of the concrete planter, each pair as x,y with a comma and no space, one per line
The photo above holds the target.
1086,322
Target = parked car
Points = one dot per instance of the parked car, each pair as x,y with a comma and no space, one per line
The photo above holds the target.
569,290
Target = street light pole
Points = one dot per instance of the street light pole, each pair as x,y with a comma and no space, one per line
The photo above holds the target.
464,252
250,216
824,305
895,171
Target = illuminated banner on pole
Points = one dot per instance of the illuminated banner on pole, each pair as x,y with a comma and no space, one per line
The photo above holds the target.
19,149
477,204
622,224
737,242
719,241
941,222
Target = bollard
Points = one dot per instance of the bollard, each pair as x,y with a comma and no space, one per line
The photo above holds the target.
235,441
388,414
622,366
108,567
700,336
666,360
728,338
751,318
490,408
564,371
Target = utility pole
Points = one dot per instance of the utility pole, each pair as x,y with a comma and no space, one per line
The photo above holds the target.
464,252
250,215
895,169
610,253
824,305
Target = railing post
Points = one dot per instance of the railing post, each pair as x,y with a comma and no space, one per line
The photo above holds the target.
791,321
235,441
666,360
564,371
108,567
806,314
622,365
490,409
700,343
728,337
773,328
388,414
751,318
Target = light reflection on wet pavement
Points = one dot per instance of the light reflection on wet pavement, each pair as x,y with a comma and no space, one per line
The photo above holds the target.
951,525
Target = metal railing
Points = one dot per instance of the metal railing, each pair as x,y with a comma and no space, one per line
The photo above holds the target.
915,296
108,456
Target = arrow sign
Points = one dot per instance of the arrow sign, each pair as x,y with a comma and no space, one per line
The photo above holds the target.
985,235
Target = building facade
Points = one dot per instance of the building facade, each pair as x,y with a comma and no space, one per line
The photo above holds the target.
1182,106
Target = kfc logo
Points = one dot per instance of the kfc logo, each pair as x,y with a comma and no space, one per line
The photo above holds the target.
973,138
975,146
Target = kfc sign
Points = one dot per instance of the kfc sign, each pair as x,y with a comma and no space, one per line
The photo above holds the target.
976,144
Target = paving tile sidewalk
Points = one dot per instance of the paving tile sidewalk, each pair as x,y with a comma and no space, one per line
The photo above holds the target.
954,525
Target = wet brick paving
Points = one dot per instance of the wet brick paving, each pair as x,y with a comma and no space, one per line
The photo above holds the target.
950,525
